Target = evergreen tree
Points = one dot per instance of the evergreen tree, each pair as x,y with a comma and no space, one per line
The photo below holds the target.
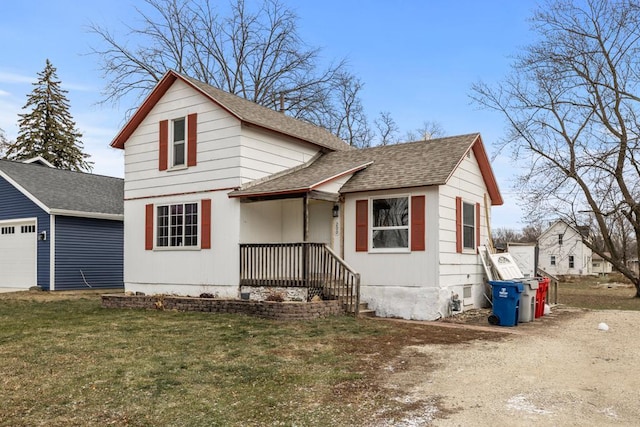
49,130
4,144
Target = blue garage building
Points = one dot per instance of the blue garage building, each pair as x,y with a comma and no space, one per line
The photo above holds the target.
59,229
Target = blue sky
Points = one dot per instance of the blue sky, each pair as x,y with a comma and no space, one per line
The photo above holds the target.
417,59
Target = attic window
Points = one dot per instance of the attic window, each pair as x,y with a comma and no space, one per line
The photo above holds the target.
178,142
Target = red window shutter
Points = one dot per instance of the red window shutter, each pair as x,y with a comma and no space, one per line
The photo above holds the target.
477,225
459,224
362,225
192,139
163,146
148,227
205,242
417,223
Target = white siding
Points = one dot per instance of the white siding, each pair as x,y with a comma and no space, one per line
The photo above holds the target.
460,269
184,272
264,153
229,154
419,285
403,284
275,221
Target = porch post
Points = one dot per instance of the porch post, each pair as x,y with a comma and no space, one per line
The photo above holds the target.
305,215
305,238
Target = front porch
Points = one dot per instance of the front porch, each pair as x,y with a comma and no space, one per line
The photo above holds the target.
310,269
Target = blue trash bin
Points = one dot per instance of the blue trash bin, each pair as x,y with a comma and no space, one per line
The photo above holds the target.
506,296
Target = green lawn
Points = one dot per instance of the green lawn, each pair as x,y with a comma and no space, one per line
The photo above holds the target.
69,362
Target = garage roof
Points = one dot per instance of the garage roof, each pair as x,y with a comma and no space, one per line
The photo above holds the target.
65,192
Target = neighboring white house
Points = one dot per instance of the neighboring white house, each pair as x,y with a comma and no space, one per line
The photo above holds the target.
600,266
218,190
562,250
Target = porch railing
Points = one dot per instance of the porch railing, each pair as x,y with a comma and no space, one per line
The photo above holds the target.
309,265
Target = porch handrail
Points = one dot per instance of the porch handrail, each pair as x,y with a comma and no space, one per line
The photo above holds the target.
340,260
342,281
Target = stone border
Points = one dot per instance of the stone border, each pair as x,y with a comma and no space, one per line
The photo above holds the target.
266,309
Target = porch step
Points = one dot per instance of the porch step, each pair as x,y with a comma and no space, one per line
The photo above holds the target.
365,311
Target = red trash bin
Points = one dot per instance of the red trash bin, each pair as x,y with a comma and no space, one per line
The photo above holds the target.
541,295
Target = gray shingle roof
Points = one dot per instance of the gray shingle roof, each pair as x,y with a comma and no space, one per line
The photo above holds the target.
413,164
253,113
67,190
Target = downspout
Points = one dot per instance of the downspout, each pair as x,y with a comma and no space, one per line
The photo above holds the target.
341,222
52,252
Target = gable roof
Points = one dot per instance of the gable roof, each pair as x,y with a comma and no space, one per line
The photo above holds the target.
413,164
581,230
244,110
65,192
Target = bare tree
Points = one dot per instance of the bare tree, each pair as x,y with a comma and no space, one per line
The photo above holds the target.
350,121
572,107
256,54
502,236
387,128
431,129
531,233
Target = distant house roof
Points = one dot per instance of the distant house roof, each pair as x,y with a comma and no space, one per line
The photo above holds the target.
414,164
244,110
598,257
583,230
67,192
39,160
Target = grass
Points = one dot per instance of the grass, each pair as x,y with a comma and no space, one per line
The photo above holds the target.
68,362
613,292
74,363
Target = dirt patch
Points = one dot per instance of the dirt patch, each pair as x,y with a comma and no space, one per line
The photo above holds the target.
559,370
44,296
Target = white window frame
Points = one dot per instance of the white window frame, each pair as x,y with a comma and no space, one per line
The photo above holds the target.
552,261
572,261
173,141
172,239
373,228
472,226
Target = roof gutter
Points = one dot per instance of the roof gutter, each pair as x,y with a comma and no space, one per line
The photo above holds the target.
93,215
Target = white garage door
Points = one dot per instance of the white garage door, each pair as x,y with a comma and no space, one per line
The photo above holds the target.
18,254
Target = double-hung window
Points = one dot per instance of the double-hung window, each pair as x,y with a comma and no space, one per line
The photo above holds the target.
572,263
553,260
390,223
178,145
177,225
468,226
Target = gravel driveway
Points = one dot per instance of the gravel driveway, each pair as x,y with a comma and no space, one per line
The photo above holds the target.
560,371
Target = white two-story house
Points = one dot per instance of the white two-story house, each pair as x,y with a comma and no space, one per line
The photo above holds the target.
225,197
